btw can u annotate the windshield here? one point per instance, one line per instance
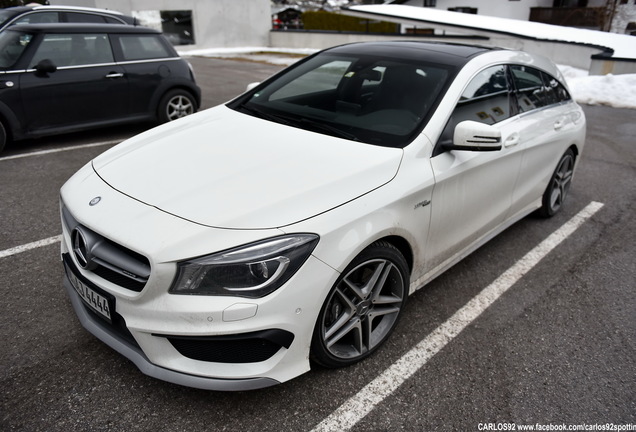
(5, 16)
(12, 44)
(372, 99)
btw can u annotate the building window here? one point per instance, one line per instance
(569, 3)
(468, 10)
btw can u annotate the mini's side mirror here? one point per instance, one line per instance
(474, 136)
(45, 67)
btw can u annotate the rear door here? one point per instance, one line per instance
(87, 87)
(547, 126)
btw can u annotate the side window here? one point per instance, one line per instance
(39, 18)
(530, 91)
(111, 20)
(12, 45)
(555, 91)
(486, 99)
(74, 49)
(142, 47)
(75, 17)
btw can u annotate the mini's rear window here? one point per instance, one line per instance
(142, 47)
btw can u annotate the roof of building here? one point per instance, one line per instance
(617, 46)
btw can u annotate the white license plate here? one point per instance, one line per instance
(93, 299)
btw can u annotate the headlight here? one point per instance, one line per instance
(253, 270)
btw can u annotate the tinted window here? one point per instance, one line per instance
(373, 99)
(531, 93)
(111, 20)
(555, 91)
(5, 16)
(38, 18)
(12, 44)
(486, 99)
(142, 47)
(74, 49)
(84, 18)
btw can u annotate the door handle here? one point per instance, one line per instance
(114, 75)
(512, 140)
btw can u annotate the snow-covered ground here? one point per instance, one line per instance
(618, 91)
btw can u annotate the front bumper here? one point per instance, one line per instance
(131, 351)
(256, 356)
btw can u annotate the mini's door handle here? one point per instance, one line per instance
(114, 75)
(512, 140)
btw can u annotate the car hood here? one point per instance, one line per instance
(225, 169)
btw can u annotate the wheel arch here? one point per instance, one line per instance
(402, 245)
(164, 90)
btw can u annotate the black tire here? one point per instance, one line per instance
(559, 186)
(176, 104)
(3, 137)
(362, 308)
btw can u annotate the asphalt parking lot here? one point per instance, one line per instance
(558, 348)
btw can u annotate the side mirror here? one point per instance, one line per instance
(250, 86)
(45, 67)
(474, 136)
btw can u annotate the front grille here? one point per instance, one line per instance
(242, 348)
(105, 258)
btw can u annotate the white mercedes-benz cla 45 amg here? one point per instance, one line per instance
(232, 248)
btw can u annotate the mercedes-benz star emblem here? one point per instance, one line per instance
(94, 201)
(80, 248)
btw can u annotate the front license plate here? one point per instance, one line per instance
(92, 299)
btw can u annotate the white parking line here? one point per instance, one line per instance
(358, 406)
(29, 246)
(58, 150)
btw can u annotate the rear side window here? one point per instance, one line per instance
(74, 49)
(555, 91)
(39, 18)
(75, 17)
(143, 47)
(530, 91)
(536, 89)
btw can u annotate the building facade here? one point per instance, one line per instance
(194, 24)
(617, 16)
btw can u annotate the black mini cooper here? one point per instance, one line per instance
(58, 78)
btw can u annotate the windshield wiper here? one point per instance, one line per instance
(302, 122)
(331, 130)
(265, 115)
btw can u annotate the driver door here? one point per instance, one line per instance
(88, 87)
(473, 189)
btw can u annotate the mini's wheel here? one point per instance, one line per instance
(176, 104)
(559, 186)
(362, 308)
